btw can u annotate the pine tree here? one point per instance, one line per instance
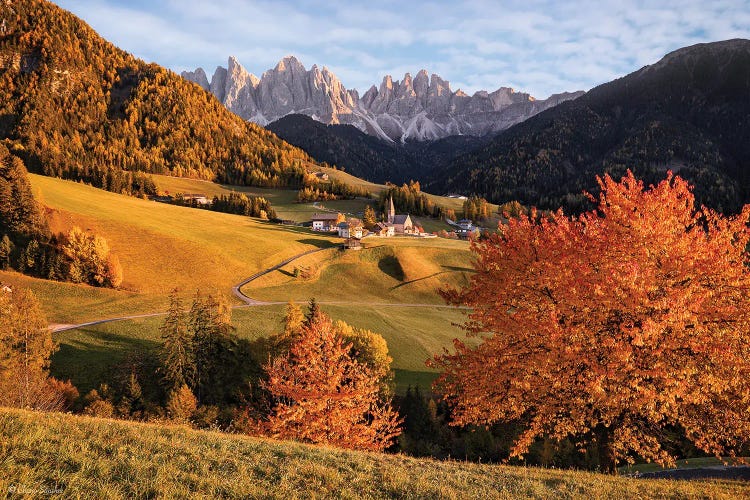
(368, 219)
(25, 349)
(313, 312)
(177, 359)
(181, 404)
(214, 347)
(6, 250)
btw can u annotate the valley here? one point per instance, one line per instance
(389, 287)
(285, 287)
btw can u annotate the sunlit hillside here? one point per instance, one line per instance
(98, 458)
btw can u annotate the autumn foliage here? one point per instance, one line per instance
(323, 395)
(615, 329)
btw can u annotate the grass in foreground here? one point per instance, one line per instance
(82, 457)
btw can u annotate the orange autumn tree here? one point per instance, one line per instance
(613, 329)
(324, 396)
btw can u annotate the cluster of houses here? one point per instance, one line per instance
(352, 228)
(187, 198)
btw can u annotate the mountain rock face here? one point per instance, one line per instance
(689, 113)
(420, 108)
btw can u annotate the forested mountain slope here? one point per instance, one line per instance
(690, 112)
(74, 105)
(368, 157)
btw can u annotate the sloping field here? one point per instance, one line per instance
(162, 247)
(83, 457)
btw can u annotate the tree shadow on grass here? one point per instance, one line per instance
(391, 266)
(91, 361)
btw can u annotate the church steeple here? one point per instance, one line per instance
(391, 212)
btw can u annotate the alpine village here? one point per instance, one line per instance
(299, 286)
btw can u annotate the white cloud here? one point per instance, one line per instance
(540, 47)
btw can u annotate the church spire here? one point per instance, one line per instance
(391, 212)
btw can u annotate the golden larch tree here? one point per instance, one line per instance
(614, 328)
(323, 395)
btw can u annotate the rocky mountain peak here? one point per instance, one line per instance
(198, 76)
(418, 108)
(289, 63)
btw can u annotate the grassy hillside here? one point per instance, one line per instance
(97, 458)
(404, 270)
(281, 199)
(286, 208)
(163, 246)
(89, 355)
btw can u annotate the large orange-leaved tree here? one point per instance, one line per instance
(323, 395)
(614, 329)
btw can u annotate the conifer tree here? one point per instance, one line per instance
(25, 349)
(368, 219)
(313, 312)
(177, 359)
(6, 250)
(181, 404)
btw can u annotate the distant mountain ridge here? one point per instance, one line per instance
(368, 157)
(420, 108)
(689, 112)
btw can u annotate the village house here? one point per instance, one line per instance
(465, 225)
(197, 198)
(384, 229)
(321, 176)
(351, 229)
(5, 288)
(326, 221)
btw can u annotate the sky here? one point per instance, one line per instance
(539, 47)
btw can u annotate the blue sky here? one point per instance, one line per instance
(540, 47)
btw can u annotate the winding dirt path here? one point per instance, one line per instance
(248, 301)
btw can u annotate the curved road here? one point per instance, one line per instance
(249, 301)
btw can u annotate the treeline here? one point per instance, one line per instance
(409, 199)
(332, 190)
(77, 107)
(232, 203)
(476, 209)
(241, 204)
(28, 246)
(315, 381)
(77, 257)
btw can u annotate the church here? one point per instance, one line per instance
(402, 224)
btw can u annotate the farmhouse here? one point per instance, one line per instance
(466, 225)
(384, 229)
(351, 229)
(326, 221)
(197, 198)
(321, 176)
